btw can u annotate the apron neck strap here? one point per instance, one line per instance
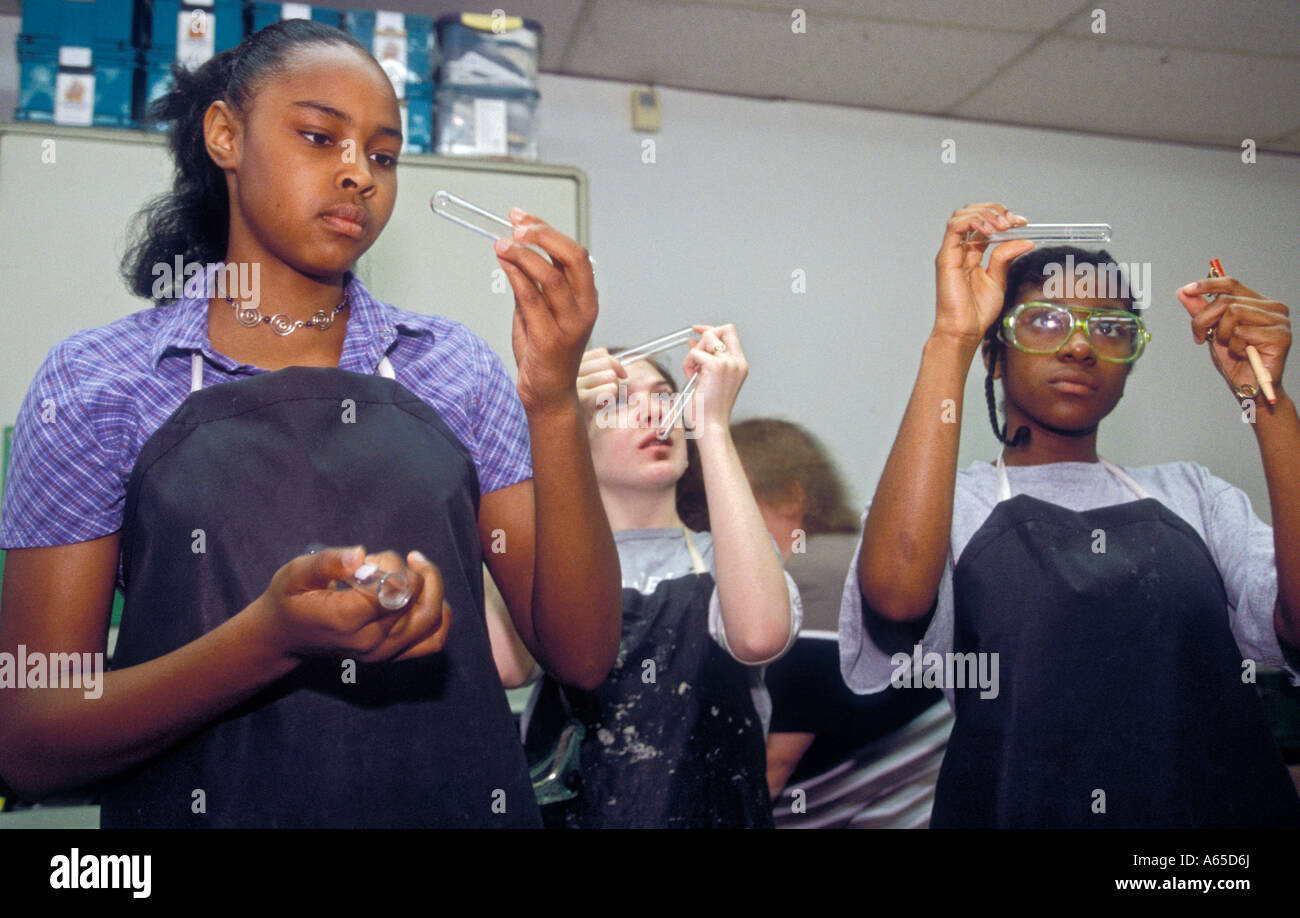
(697, 562)
(385, 369)
(1124, 478)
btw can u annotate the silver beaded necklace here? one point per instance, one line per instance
(281, 324)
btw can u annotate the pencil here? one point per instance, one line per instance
(1262, 376)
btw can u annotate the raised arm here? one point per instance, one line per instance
(752, 592)
(905, 539)
(559, 570)
(1239, 317)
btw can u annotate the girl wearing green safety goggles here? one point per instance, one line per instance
(1111, 608)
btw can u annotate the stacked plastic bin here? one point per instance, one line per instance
(261, 15)
(78, 62)
(487, 86)
(187, 32)
(404, 45)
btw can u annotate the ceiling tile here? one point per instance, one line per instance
(1261, 26)
(1135, 90)
(754, 53)
(1288, 144)
(1009, 15)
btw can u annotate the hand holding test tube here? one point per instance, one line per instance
(657, 346)
(393, 589)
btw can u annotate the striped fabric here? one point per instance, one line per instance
(102, 393)
(888, 784)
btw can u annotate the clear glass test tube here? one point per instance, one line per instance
(392, 588)
(1085, 233)
(471, 216)
(656, 346)
(688, 391)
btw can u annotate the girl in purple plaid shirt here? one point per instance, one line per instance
(191, 452)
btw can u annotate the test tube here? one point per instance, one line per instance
(471, 216)
(391, 588)
(484, 222)
(656, 345)
(1085, 233)
(676, 411)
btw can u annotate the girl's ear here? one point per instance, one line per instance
(221, 134)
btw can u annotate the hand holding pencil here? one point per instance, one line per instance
(1250, 334)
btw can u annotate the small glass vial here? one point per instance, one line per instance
(393, 589)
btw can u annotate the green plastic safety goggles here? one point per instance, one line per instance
(1039, 327)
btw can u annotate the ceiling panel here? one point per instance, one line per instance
(755, 53)
(1142, 91)
(1259, 26)
(1010, 15)
(1289, 143)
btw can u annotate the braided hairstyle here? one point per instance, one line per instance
(1030, 270)
(193, 219)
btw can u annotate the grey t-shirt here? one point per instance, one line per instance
(819, 574)
(649, 556)
(1240, 543)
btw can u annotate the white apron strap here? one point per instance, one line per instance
(1126, 479)
(697, 562)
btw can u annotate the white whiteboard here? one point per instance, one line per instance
(63, 229)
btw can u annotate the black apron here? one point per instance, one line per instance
(1120, 683)
(264, 466)
(684, 751)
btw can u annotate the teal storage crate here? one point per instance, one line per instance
(263, 14)
(86, 22)
(417, 110)
(114, 69)
(224, 17)
(404, 45)
(38, 68)
(117, 74)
